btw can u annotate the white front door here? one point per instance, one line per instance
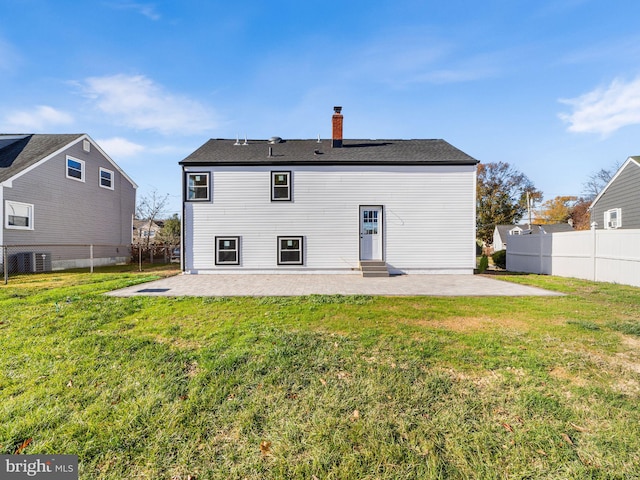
(371, 233)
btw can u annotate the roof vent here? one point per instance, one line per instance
(275, 140)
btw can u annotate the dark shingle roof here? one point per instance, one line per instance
(18, 152)
(353, 152)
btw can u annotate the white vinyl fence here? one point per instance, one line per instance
(599, 255)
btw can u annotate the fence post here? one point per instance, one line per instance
(594, 225)
(5, 264)
(91, 257)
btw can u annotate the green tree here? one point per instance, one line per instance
(170, 233)
(502, 195)
(556, 210)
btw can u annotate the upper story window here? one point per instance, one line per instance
(18, 215)
(198, 188)
(613, 218)
(75, 169)
(280, 186)
(106, 178)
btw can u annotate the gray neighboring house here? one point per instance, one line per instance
(502, 232)
(58, 190)
(618, 204)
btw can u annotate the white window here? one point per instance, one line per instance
(198, 187)
(75, 169)
(613, 218)
(18, 215)
(290, 251)
(227, 250)
(280, 186)
(106, 178)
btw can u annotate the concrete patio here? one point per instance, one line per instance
(262, 285)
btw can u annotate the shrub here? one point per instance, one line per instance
(484, 263)
(500, 258)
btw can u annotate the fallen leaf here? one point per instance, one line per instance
(578, 428)
(507, 427)
(323, 381)
(70, 383)
(566, 438)
(291, 396)
(355, 415)
(184, 397)
(542, 452)
(22, 446)
(265, 448)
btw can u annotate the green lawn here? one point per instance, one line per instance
(326, 387)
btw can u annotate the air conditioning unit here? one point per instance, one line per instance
(41, 261)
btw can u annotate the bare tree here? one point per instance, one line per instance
(151, 208)
(598, 180)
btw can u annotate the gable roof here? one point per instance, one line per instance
(503, 230)
(630, 161)
(221, 152)
(19, 152)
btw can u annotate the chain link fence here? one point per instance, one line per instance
(25, 259)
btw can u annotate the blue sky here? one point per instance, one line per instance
(552, 87)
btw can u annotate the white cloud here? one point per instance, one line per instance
(605, 110)
(8, 56)
(120, 147)
(146, 9)
(41, 119)
(138, 102)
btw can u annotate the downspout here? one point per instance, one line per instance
(182, 222)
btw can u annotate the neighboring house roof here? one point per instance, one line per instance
(20, 152)
(353, 152)
(630, 161)
(503, 230)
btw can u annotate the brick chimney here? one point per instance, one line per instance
(336, 121)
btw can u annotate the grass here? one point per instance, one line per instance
(327, 387)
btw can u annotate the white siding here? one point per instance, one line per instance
(429, 217)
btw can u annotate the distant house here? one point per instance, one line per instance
(618, 204)
(328, 206)
(502, 232)
(146, 231)
(62, 190)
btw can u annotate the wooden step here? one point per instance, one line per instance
(374, 268)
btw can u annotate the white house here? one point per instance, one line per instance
(328, 206)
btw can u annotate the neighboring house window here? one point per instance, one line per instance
(281, 186)
(290, 251)
(227, 250)
(75, 169)
(106, 178)
(613, 218)
(18, 215)
(197, 187)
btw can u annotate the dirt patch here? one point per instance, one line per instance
(472, 324)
